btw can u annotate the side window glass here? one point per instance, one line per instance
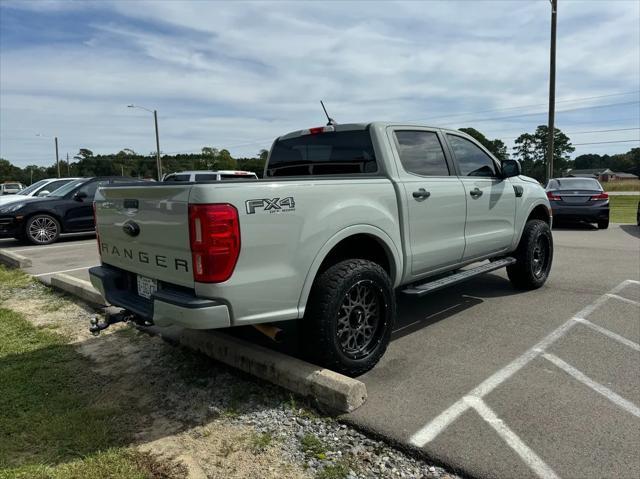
(91, 188)
(421, 153)
(472, 160)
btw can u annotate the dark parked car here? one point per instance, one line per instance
(578, 199)
(69, 209)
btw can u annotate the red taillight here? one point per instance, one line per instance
(600, 197)
(214, 232)
(552, 197)
(95, 222)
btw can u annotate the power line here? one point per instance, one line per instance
(577, 132)
(605, 142)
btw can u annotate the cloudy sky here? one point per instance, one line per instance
(236, 74)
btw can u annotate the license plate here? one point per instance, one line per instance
(147, 286)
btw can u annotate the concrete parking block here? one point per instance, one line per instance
(14, 260)
(77, 287)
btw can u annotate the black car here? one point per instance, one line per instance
(68, 209)
(578, 199)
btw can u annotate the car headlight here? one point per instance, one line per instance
(11, 208)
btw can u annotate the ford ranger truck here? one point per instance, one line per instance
(345, 217)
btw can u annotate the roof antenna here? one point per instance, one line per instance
(331, 121)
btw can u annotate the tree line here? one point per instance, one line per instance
(530, 149)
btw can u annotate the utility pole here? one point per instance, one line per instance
(68, 167)
(57, 157)
(552, 88)
(159, 163)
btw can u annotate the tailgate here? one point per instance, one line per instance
(145, 230)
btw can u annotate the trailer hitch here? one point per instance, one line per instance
(123, 316)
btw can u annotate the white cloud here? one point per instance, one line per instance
(231, 73)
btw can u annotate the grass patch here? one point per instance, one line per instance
(11, 279)
(621, 185)
(50, 424)
(259, 442)
(313, 446)
(623, 209)
(339, 470)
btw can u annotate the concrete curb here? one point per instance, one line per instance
(335, 391)
(14, 260)
(77, 287)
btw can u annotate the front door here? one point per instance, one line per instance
(491, 200)
(79, 210)
(434, 200)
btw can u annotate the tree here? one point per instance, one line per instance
(497, 146)
(531, 150)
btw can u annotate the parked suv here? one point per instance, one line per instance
(68, 209)
(346, 216)
(10, 188)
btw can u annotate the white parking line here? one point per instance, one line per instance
(626, 300)
(530, 458)
(41, 248)
(63, 271)
(431, 430)
(611, 334)
(597, 387)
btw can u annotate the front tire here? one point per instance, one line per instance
(349, 316)
(533, 256)
(42, 229)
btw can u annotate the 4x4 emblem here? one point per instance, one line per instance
(272, 205)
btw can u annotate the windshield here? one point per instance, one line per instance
(63, 190)
(327, 153)
(30, 189)
(574, 184)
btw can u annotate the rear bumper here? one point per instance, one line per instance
(586, 213)
(167, 307)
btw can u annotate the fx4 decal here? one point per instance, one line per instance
(274, 205)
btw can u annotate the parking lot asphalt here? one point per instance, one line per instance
(494, 382)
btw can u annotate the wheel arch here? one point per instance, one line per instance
(28, 216)
(537, 211)
(372, 244)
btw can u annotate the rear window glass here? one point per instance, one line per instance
(207, 177)
(177, 178)
(237, 177)
(421, 153)
(333, 153)
(574, 184)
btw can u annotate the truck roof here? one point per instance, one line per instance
(364, 126)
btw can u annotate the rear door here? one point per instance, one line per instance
(434, 199)
(491, 200)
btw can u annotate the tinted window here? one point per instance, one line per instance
(332, 153)
(54, 185)
(177, 178)
(63, 190)
(574, 184)
(472, 160)
(207, 177)
(237, 177)
(421, 153)
(90, 188)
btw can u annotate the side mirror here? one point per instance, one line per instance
(80, 195)
(43, 193)
(511, 168)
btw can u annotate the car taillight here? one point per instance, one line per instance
(553, 197)
(95, 223)
(214, 232)
(600, 197)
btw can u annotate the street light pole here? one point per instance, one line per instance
(57, 157)
(155, 120)
(552, 89)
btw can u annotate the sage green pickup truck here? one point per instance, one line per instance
(345, 217)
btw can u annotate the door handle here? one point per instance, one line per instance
(476, 192)
(421, 194)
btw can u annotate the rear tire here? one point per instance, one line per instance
(533, 256)
(42, 229)
(603, 224)
(349, 317)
